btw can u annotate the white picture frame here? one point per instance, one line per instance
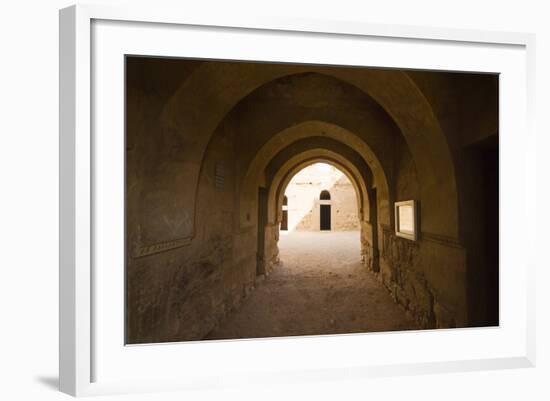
(84, 328)
(410, 209)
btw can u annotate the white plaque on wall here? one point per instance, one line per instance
(406, 220)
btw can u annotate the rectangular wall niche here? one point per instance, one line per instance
(219, 176)
(406, 219)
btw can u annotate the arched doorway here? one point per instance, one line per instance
(324, 205)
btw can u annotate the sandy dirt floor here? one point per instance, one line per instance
(320, 287)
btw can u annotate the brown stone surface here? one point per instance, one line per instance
(211, 146)
(321, 287)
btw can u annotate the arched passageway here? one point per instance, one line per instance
(313, 208)
(212, 147)
(320, 282)
(320, 287)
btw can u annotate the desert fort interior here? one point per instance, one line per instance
(261, 199)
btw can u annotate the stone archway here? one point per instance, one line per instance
(312, 129)
(392, 89)
(360, 182)
(211, 142)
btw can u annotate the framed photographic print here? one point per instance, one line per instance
(227, 191)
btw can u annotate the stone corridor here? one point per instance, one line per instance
(212, 146)
(320, 287)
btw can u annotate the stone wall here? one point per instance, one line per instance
(193, 131)
(369, 251)
(303, 193)
(426, 277)
(185, 292)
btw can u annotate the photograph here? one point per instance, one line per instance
(271, 199)
(285, 200)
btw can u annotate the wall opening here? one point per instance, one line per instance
(284, 216)
(324, 222)
(325, 195)
(325, 218)
(482, 237)
(320, 197)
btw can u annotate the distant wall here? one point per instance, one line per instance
(303, 193)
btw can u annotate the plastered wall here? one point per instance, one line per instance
(303, 194)
(205, 138)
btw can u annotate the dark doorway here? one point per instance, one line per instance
(325, 210)
(262, 221)
(483, 234)
(284, 219)
(325, 217)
